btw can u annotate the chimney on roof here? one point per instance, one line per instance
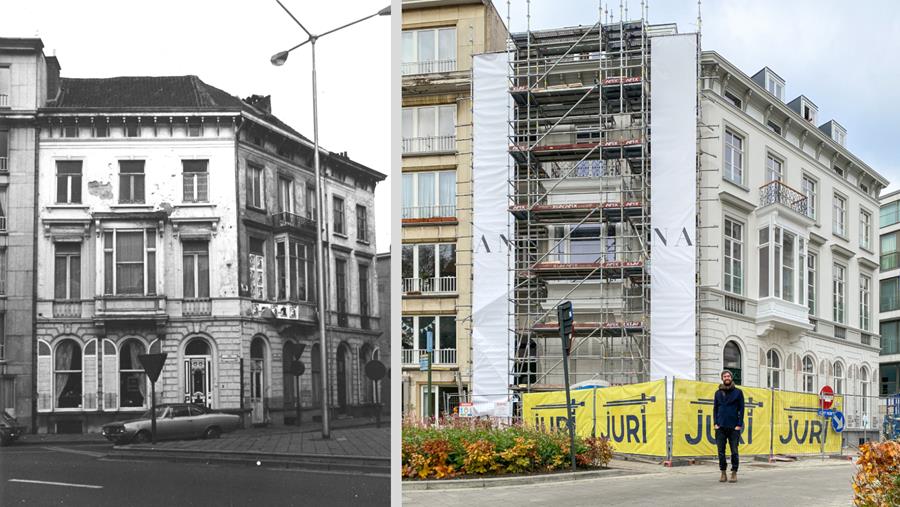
(53, 69)
(260, 102)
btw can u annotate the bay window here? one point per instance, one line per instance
(257, 258)
(292, 264)
(429, 195)
(782, 259)
(129, 261)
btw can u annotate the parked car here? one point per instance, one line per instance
(173, 421)
(10, 429)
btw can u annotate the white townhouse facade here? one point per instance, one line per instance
(174, 217)
(787, 245)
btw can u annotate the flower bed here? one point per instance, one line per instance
(877, 482)
(461, 447)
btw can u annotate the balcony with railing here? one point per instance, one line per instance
(433, 285)
(286, 220)
(67, 309)
(136, 307)
(777, 193)
(441, 357)
(4, 100)
(429, 144)
(436, 212)
(196, 307)
(4, 164)
(428, 67)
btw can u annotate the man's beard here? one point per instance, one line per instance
(727, 382)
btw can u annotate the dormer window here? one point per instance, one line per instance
(774, 87)
(809, 114)
(772, 82)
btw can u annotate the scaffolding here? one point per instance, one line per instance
(579, 188)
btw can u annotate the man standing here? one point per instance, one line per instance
(728, 414)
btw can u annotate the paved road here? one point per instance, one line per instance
(795, 484)
(27, 471)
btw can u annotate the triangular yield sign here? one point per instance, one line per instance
(152, 364)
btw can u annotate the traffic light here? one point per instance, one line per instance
(565, 315)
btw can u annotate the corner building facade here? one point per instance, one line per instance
(176, 218)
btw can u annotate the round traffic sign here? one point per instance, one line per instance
(837, 422)
(826, 397)
(375, 370)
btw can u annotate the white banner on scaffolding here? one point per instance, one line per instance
(673, 161)
(490, 244)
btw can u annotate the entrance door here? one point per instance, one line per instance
(197, 380)
(256, 391)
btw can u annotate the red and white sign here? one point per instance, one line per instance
(826, 397)
(466, 409)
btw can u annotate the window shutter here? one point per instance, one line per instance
(110, 384)
(90, 388)
(44, 377)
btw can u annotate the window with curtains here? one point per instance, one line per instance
(338, 215)
(131, 181)
(293, 267)
(195, 268)
(255, 187)
(68, 181)
(67, 271)
(889, 294)
(429, 129)
(783, 254)
(129, 261)
(429, 267)
(428, 51)
(285, 195)
(257, 258)
(67, 374)
(429, 195)
(734, 256)
(132, 379)
(196, 180)
(889, 254)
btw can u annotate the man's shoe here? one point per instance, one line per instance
(724, 477)
(733, 476)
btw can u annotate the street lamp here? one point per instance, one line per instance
(278, 59)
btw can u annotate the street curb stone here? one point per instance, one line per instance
(492, 482)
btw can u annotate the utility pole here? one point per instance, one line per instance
(566, 315)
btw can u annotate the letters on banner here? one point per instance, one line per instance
(799, 429)
(547, 411)
(693, 428)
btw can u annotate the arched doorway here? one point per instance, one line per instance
(731, 360)
(343, 376)
(258, 381)
(198, 372)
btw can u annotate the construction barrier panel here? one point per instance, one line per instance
(633, 417)
(547, 411)
(799, 429)
(693, 427)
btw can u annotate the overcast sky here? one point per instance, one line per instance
(842, 55)
(228, 44)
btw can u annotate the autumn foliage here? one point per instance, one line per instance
(461, 447)
(877, 482)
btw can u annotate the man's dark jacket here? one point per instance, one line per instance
(728, 407)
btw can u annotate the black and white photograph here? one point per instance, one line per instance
(195, 230)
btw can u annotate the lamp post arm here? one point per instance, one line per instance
(308, 34)
(360, 20)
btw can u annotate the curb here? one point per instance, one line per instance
(366, 464)
(492, 482)
(60, 442)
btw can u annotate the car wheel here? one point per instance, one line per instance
(143, 437)
(212, 432)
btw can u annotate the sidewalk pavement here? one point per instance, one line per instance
(355, 444)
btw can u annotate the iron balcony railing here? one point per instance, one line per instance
(433, 285)
(440, 357)
(428, 67)
(429, 144)
(425, 212)
(288, 219)
(776, 192)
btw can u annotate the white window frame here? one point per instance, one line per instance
(839, 293)
(195, 260)
(191, 181)
(865, 228)
(865, 302)
(808, 375)
(808, 186)
(839, 215)
(256, 183)
(439, 207)
(427, 64)
(296, 258)
(732, 245)
(285, 194)
(838, 378)
(70, 178)
(440, 142)
(773, 372)
(733, 172)
(70, 296)
(149, 288)
(812, 282)
(257, 271)
(416, 284)
(774, 167)
(774, 86)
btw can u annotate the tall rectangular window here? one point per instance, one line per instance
(428, 51)
(131, 181)
(764, 262)
(811, 282)
(808, 186)
(285, 195)
(4, 151)
(362, 223)
(67, 272)
(2, 270)
(865, 302)
(865, 229)
(734, 157)
(774, 170)
(195, 268)
(890, 338)
(196, 180)
(428, 129)
(839, 215)
(292, 266)
(340, 289)
(839, 280)
(889, 254)
(3, 208)
(68, 181)
(4, 86)
(890, 212)
(129, 260)
(889, 294)
(363, 289)
(429, 195)
(734, 256)
(311, 202)
(338, 215)
(257, 260)
(255, 187)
